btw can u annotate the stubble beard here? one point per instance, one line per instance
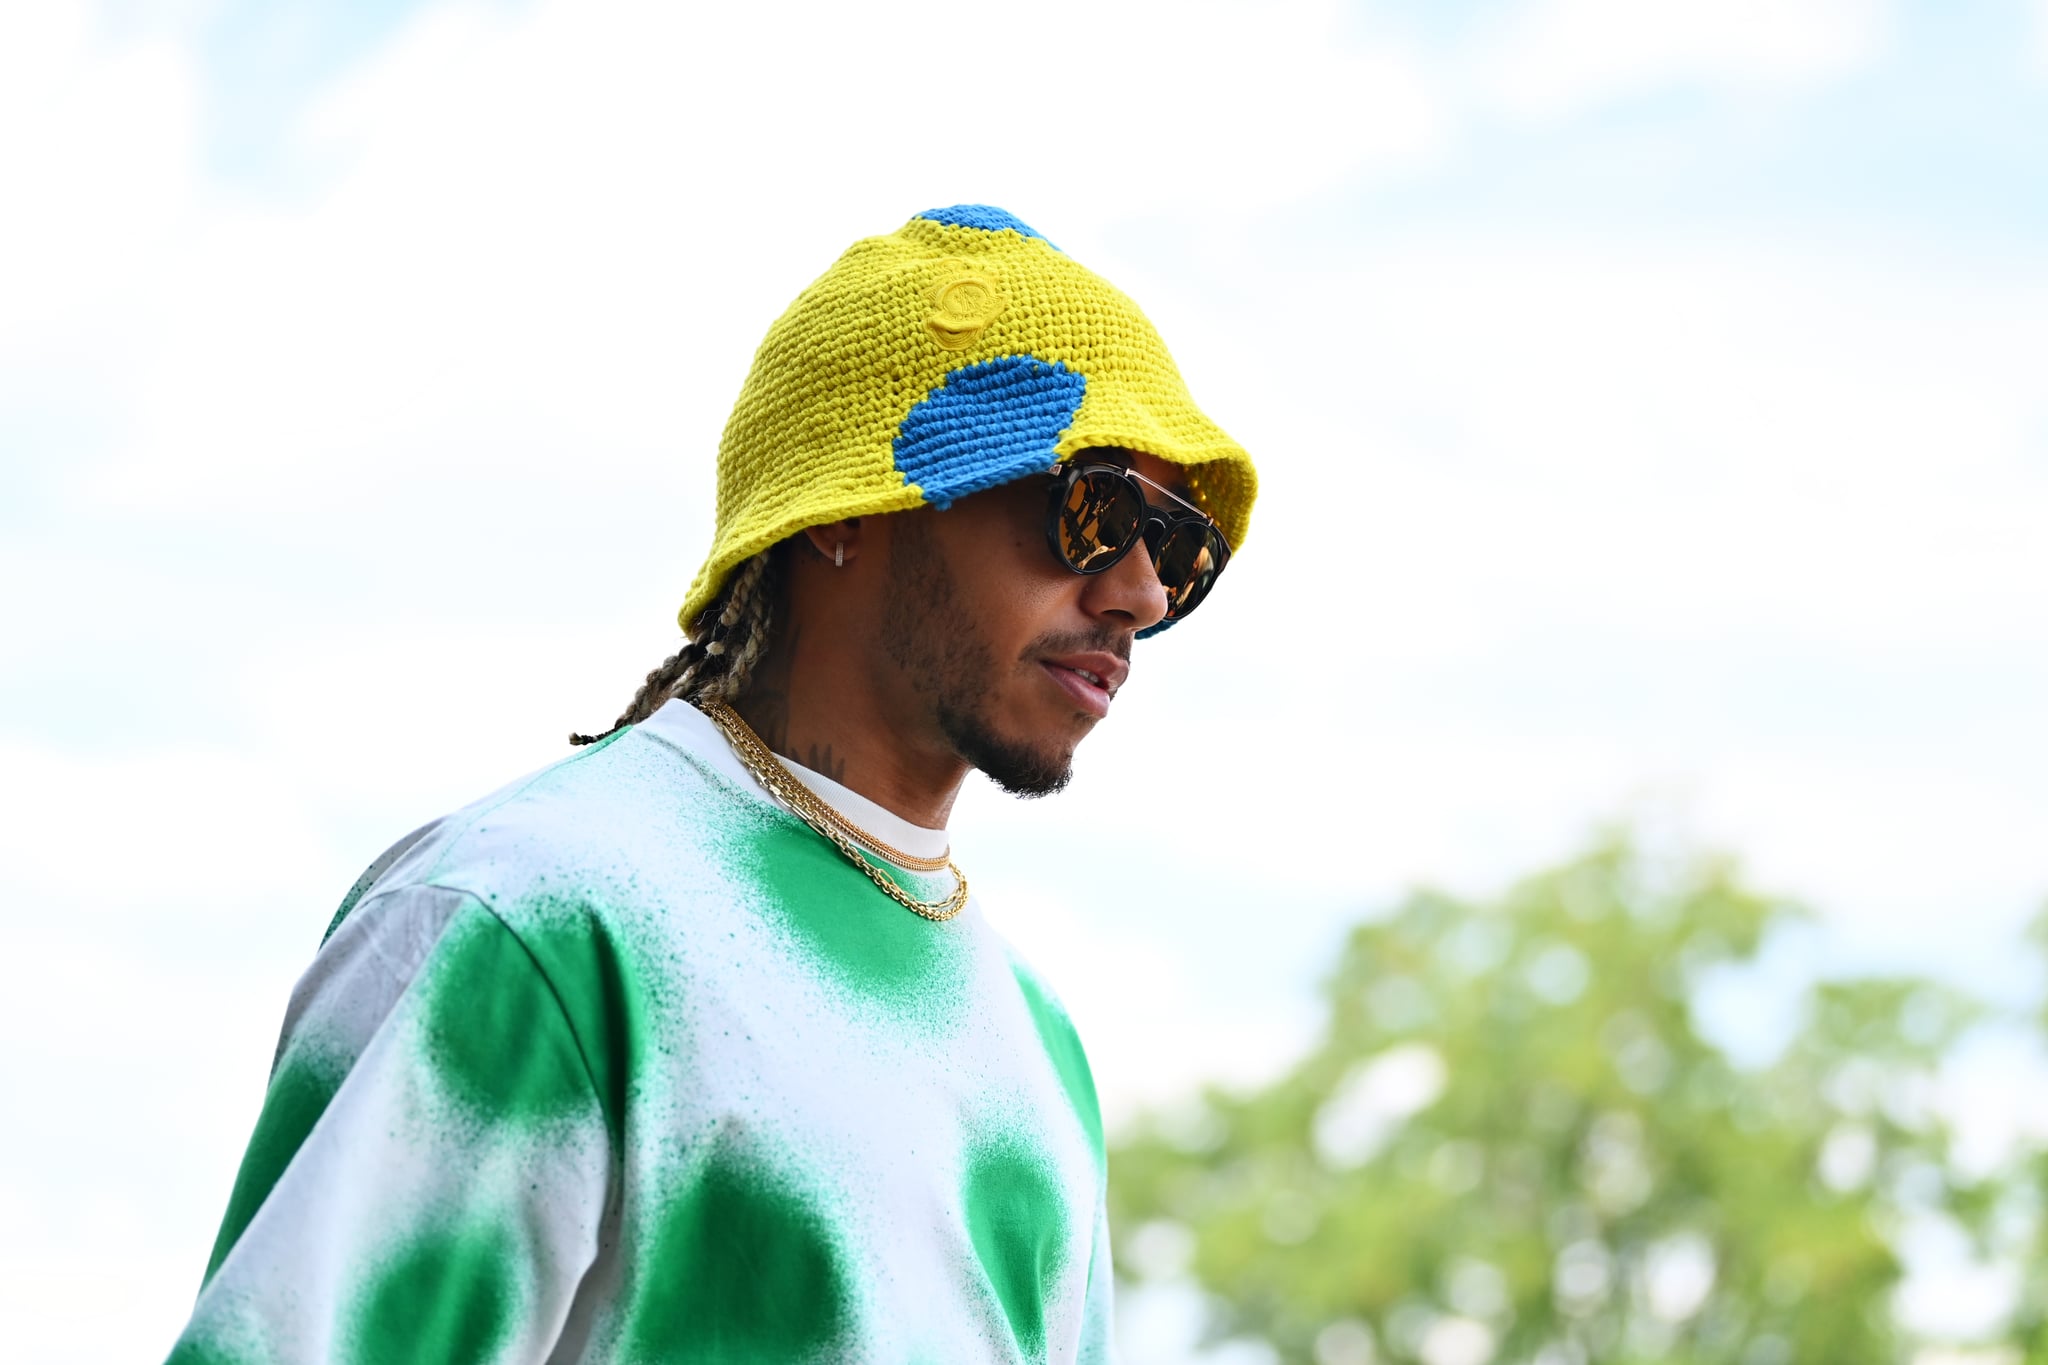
(928, 635)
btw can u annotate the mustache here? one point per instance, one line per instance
(1106, 639)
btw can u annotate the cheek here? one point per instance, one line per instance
(1014, 587)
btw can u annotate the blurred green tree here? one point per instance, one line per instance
(1514, 1143)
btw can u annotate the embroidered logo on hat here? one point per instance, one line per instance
(963, 302)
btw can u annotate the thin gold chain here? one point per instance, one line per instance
(758, 759)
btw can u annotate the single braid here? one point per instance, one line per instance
(717, 660)
(750, 611)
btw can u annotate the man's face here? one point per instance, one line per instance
(1015, 656)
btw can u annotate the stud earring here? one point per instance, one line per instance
(839, 555)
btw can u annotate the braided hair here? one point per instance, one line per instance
(722, 647)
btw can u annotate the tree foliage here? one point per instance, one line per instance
(1515, 1143)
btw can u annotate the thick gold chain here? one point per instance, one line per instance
(770, 771)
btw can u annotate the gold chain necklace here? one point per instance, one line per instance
(748, 740)
(742, 737)
(770, 771)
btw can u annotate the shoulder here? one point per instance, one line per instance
(598, 867)
(627, 816)
(562, 891)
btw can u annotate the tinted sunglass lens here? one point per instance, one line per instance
(1187, 562)
(1098, 520)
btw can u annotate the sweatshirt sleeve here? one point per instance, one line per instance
(430, 1172)
(1098, 1316)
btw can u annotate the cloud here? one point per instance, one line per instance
(1153, 103)
(145, 829)
(97, 171)
(95, 160)
(1558, 57)
(609, 193)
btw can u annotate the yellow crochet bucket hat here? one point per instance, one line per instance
(959, 352)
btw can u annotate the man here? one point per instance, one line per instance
(694, 1046)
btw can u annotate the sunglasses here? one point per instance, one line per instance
(1097, 512)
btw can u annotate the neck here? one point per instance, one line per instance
(836, 723)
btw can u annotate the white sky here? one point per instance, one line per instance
(1616, 458)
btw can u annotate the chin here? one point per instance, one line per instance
(1021, 767)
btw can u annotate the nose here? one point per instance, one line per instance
(1128, 593)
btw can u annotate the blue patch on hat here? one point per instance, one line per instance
(987, 217)
(987, 424)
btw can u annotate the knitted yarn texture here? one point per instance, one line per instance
(957, 353)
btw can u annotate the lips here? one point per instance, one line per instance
(1091, 679)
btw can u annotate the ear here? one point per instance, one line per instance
(838, 542)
